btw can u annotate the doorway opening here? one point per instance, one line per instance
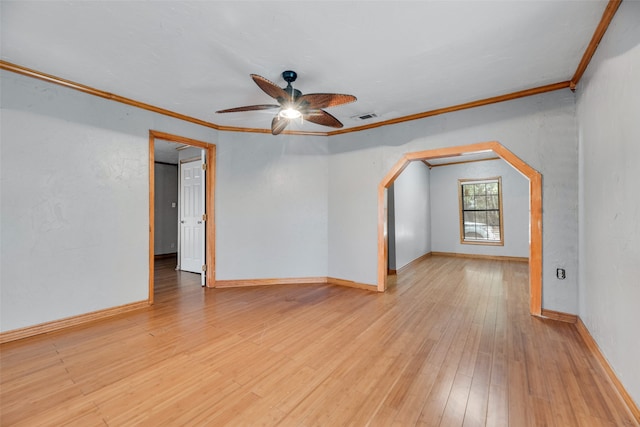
(206, 220)
(535, 210)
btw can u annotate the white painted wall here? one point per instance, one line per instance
(74, 202)
(354, 174)
(541, 130)
(165, 209)
(74, 227)
(271, 206)
(608, 113)
(285, 206)
(445, 208)
(412, 214)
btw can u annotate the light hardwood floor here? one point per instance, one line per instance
(451, 343)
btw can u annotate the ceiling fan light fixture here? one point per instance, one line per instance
(292, 104)
(289, 113)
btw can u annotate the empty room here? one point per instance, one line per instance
(320, 213)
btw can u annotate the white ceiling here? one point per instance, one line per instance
(397, 57)
(166, 152)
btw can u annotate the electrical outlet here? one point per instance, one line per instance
(560, 273)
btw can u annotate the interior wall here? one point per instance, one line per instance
(82, 215)
(609, 133)
(354, 175)
(541, 130)
(165, 209)
(271, 206)
(412, 214)
(446, 208)
(295, 207)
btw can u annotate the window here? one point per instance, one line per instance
(481, 211)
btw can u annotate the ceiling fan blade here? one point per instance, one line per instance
(249, 108)
(278, 124)
(270, 88)
(322, 118)
(315, 101)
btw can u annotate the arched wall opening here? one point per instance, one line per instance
(535, 211)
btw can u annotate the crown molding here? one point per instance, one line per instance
(607, 17)
(601, 29)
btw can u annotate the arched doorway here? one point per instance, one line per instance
(535, 203)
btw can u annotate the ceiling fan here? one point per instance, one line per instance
(292, 104)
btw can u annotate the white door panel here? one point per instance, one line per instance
(191, 221)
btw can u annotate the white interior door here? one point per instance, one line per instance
(192, 226)
(203, 234)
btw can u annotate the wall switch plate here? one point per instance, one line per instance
(560, 273)
(173, 204)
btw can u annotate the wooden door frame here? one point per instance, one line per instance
(209, 203)
(535, 214)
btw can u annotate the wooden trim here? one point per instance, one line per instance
(292, 281)
(535, 243)
(601, 29)
(18, 69)
(535, 201)
(391, 272)
(535, 224)
(152, 213)
(239, 283)
(211, 216)
(481, 256)
(592, 345)
(559, 316)
(268, 131)
(351, 284)
(67, 322)
(383, 237)
(395, 171)
(415, 261)
(462, 162)
(459, 107)
(210, 259)
(179, 139)
(607, 16)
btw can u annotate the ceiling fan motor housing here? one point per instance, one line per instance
(289, 76)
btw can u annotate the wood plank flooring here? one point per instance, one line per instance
(450, 344)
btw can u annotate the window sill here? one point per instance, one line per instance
(481, 242)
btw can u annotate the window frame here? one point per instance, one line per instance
(463, 239)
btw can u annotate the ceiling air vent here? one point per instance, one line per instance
(366, 116)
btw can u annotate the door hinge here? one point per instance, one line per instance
(204, 217)
(204, 166)
(204, 267)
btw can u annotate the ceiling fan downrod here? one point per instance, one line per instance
(290, 77)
